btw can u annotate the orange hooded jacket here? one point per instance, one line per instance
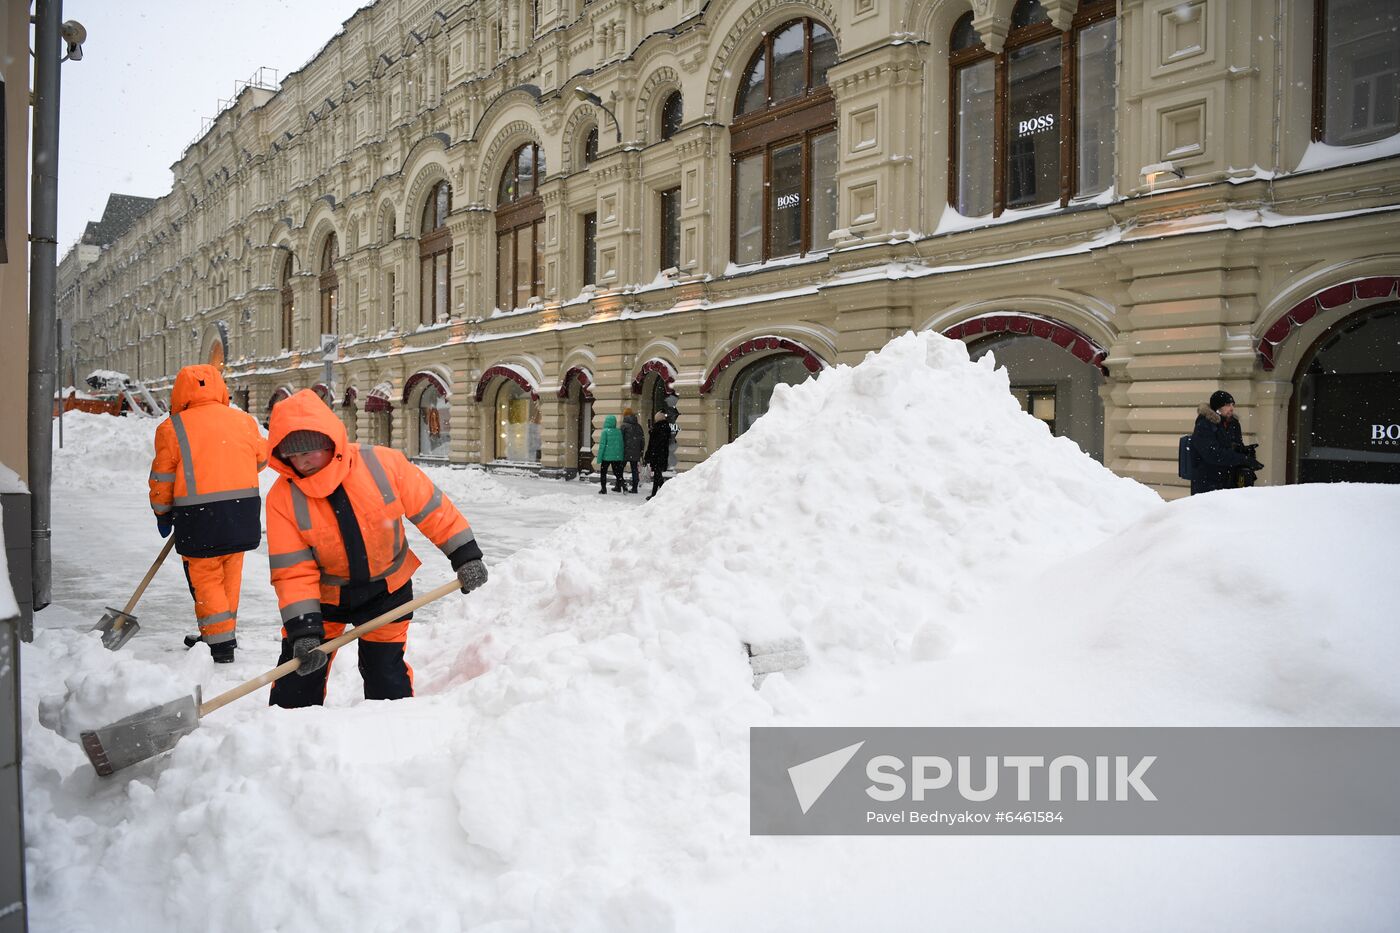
(308, 550)
(206, 467)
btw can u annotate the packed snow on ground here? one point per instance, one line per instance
(576, 757)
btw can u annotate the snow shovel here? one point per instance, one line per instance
(150, 732)
(118, 625)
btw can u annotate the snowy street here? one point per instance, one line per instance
(111, 538)
(576, 755)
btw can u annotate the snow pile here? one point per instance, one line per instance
(576, 758)
(102, 450)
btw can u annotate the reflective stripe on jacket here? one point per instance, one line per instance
(206, 467)
(307, 551)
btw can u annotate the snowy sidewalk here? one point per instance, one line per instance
(105, 538)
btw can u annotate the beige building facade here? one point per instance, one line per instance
(515, 218)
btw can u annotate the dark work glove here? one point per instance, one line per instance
(1254, 464)
(471, 575)
(223, 651)
(164, 523)
(304, 650)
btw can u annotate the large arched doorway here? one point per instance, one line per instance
(578, 420)
(380, 408)
(517, 424)
(427, 397)
(1345, 417)
(753, 388)
(1053, 385)
(1055, 371)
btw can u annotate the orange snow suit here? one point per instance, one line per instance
(205, 475)
(337, 549)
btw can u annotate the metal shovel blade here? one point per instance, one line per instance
(142, 735)
(116, 627)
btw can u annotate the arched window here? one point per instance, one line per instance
(330, 286)
(753, 388)
(435, 255)
(671, 115)
(519, 214)
(434, 432)
(288, 301)
(1356, 71)
(1343, 403)
(590, 145)
(1034, 124)
(784, 146)
(517, 424)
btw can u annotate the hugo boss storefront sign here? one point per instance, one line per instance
(1352, 429)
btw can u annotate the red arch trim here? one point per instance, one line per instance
(503, 372)
(1061, 335)
(760, 345)
(378, 401)
(1376, 286)
(351, 393)
(660, 367)
(278, 396)
(322, 390)
(584, 383)
(417, 379)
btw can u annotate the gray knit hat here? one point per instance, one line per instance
(301, 442)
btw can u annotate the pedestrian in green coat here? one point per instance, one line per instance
(610, 451)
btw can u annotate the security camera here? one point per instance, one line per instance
(74, 35)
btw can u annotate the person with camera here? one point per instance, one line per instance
(1220, 458)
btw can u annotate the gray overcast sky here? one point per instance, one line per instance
(151, 71)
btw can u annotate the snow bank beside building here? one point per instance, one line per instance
(577, 756)
(102, 450)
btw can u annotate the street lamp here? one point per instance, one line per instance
(73, 35)
(584, 94)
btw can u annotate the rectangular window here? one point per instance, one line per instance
(390, 301)
(976, 129)
(748, 209)
(1095, 107)
(785, 207)
(1033, 124)
(824, 198)
(442, 279)
(288, 314)
(1361, 70)
(590, 249)
(328, 310)
(537, 232)
(425, 299)
(505, 264)
(524, 259)
(671, 228)
(1037, 401)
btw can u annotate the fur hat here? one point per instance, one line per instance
(301, 442)
(627, 411)
(1220, 399)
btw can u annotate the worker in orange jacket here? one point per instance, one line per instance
(204, 485)
(337, 548)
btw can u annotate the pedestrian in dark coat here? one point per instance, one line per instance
(610, 453)
(659, 451)
(633, 440)
(1217, 446)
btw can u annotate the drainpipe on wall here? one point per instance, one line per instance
(43, 258)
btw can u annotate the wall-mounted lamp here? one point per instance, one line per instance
(584, 94)
(1151, 173)
(74, 35)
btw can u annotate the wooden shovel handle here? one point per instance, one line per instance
(281, 670)
(150, 575)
